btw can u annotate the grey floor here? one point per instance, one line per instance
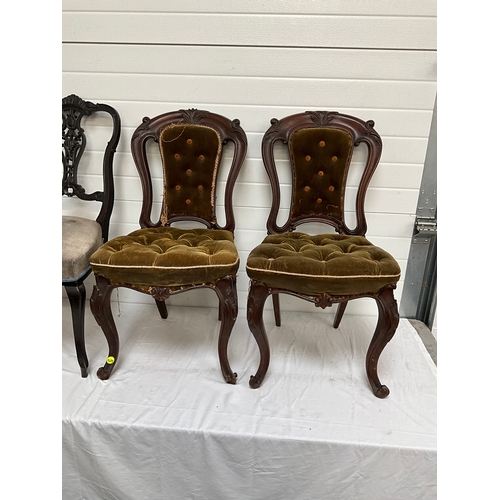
(428, 339)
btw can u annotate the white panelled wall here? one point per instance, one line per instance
(255, 61)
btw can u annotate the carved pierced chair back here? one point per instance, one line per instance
(320, 147)
(74, 141)
(81, 234)
(191, 143)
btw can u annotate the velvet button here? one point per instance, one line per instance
(201, 157)
(321, 144)
(177, 156)
(200, 188)
(331, 188)
(189, 171)
(334, 158)
(190, 141)
(188, 202)
(319, 200)
(321, 173)
(307, 188)
(177, 187)
(308, 158)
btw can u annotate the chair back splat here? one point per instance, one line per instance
(326, 268)
(161, 260)
(320, 146)
(81, 236)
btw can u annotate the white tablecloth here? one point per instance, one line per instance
(167, 426)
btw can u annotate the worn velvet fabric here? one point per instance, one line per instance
(320, 161)
(80, 238)
(325, 263)
(190, 156)
(167, 256)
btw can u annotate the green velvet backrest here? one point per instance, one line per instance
(320, 146)
(191, 143)
(320, 160)
(190, 157)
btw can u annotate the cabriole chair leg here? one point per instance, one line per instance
(257, 296)
(100, 305)
(388, 321)
(228, 312)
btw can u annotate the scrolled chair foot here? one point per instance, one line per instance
(255, 381)
(104, 372)
(381, 392)
(231, 379)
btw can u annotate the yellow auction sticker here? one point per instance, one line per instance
(110, 360)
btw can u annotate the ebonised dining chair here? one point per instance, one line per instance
(81, 236)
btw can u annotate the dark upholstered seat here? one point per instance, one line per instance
(324, 263)
(326, 268)
(168, 256)
(82, 236)
(162, 260)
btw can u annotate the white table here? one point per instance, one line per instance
(167, 426)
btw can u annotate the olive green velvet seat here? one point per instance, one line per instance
(162, 260)
(82, 235)
(168, 256)
(325, 263)
(324, 268)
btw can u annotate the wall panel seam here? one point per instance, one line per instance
(284, 47)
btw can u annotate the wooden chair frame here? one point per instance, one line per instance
(361, 132)
(74, 141)
(225, 288)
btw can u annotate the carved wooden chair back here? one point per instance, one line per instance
(161, 259)
(81, 235)
(191, 143)
(74, 141)
(326, 268)
(320, 146)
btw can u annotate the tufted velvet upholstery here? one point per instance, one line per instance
(324, 263)
(329, 268)
(190, 156)
(167, 256)
(320, 159)
(161, 260)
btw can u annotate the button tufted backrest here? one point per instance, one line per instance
(320, 146)
(191, 143)
(320, 160)
(190, 156)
